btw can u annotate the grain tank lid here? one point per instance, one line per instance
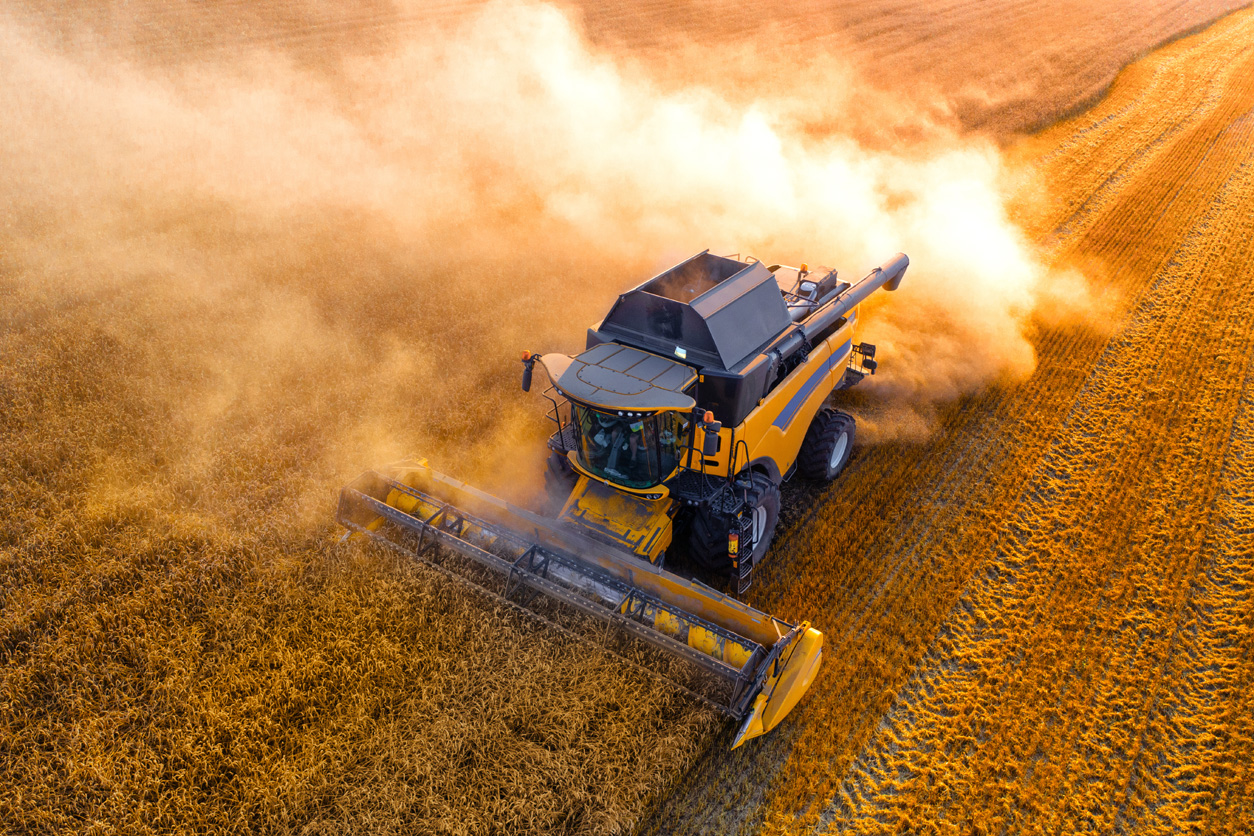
(619, 377)
(710, 310)
(744, 313)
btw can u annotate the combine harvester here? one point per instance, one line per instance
(698, 395)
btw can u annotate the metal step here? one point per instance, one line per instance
(743, 574)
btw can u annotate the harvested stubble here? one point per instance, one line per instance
(1004, 66)
(1047, 627)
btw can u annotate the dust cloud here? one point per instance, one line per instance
(339, 268)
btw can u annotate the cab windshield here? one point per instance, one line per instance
(633, 449)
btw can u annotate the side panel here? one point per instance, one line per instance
(777, 427)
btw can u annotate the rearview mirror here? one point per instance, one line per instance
(529, 364)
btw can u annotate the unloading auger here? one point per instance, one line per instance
(699, 393)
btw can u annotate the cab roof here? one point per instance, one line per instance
(620, 377)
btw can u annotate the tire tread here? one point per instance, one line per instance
(815, 456)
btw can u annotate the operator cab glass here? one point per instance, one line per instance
(630, 449)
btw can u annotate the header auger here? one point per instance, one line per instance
(698, 394)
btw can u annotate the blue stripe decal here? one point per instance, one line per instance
(807, 389)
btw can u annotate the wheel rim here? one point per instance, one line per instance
(838, 450)
(759, 527)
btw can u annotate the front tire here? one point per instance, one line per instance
(827, 445)
(707, 540)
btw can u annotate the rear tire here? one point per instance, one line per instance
(828, 442)
(707, 539)
(559, 480)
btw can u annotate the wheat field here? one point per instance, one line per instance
(224, 292)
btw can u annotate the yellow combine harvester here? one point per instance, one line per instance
(701, 391)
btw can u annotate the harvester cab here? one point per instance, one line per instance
(697, 395)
